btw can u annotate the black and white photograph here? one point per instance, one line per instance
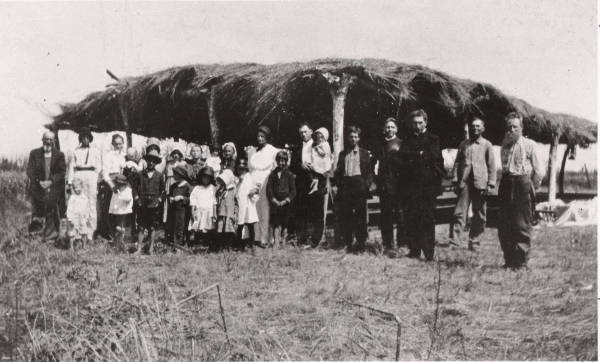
(299, 180)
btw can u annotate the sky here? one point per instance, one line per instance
(544, 52)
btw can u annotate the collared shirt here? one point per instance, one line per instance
(521, 159)
(307, 151)
(391, 138)
(475, 161)
(85, 158)
(113, 162)
(353, 163)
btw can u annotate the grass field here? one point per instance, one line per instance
(285, 303)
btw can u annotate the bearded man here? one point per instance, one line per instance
(522, 173)
(46, 171)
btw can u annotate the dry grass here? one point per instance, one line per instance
(284, 303)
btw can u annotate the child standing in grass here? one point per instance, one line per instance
(281, 190)
(150, 193)
(227, 208)
(203, 205)
(247, 196)
(178, 203)
(120, 209)
(78, 215)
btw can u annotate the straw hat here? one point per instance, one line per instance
(154, 156)
(181, 171)
(228, 179)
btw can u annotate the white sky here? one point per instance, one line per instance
(542, 51)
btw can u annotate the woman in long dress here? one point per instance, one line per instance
(261, 161)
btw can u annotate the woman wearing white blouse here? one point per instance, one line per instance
(261, 161)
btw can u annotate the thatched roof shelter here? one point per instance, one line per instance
(182, 101)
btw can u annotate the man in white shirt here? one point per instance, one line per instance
(522, 174)
(85, 164)
(113, 163)
(309, 211)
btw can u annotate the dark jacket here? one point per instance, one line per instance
(356, 188)
(303, 177)
(36, 172)
(151, 191)
(281, 188)
(422, 164)
(389, 167)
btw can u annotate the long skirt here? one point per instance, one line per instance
(90, 190)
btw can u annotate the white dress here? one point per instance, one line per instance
(78, 214)
(87, 157)
(247, 205)
(121, 202)
(261, 163)
(321, 157)
(203, 198)
(215, 163)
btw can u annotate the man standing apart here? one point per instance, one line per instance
(354, 178)
(86, 163)
(113, 164)
(309, 208)
(474, 178)
(522, 173)
(421, 162)
(46, 170)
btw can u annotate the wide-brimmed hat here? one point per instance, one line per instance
(181, 171)
(154, 156)
(206, 171)
(228, 179)
(153, 141)
(85, 132)
(178, 148)
(324, 132)
(264, 129)
(120, 180)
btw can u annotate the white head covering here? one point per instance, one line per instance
(228, 179)
(324, 132)
(177, 147)
(230, 144)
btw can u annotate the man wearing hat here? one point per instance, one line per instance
(46, 170)
(113, 163)
(85, 164)
(150, 193)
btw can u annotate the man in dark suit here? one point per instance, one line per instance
(46, 171)
(388, 188)
(354, 178)
(308, 207)
(421, 167)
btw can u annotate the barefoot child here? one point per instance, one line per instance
(247, 196)
(227, 208)
(150, 193)
(281, 190)
(179, 212)
(78, 215)
(120, 209)
(321, 159)
(203, 204)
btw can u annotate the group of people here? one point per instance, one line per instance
(271, 196)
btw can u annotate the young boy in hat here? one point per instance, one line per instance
(150, 193)
(247, 196)
(120, 209)
(281, 190)
(178, 207)
(78, 214)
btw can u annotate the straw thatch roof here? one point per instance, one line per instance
(174, 102)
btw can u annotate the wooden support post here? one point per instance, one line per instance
(124, 117)
(212, 116)
(561, 175)
(339, 89)
(552, 161)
